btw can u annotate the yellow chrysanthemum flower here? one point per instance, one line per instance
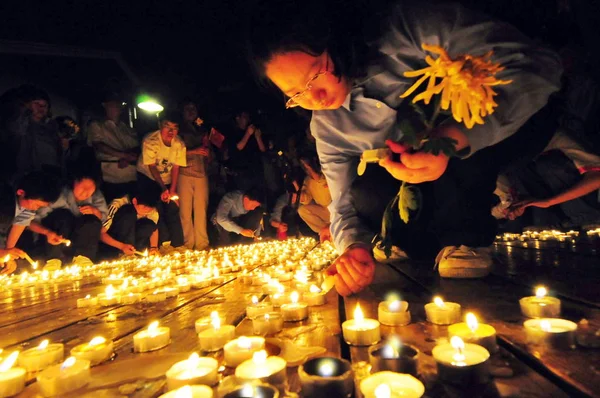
(466, 84)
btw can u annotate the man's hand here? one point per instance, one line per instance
(325, 234)
(248, 233)
(127, 249)
(54, 239)
(251, 129)
(517, 209)
(257, 133)
(11, 253)
(165, 196)
(90, 210)
(353, 270)
(8, 268)
(416, 167)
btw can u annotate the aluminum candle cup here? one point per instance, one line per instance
(391, 385)
(268, 324)
(462, 364)
(294, 311)
(271, 370)
(361, 331)
(540, 305)
(61, 379)
(442, 313)
(194, 370)
(156, 296)
(214, 338)
(256, 308)
(190, 392)
(42, 356)
(393, 313)
(96, 351)
(386, 356)
(204, 323)
(474, 332)
(326, 377)
(250, 390)
(12, 379)
(242, 349)
(151, 339)
(551, 332)
(315, 296)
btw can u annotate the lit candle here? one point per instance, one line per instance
(109, 297)
(294, 311)
(460, 363)
(391, 385)
(360, 330)
(187, 391)
(61, 379)
(213, 339)
(474, 332)
(315, 296)
(540, 305)
(270, 370)
(442, 313)
(194, 370)
(183, 284)
(131, 298)
(171, 291)
(217, 278)
(394, 356)
(326, 377)
(156, 297)
(153, 338)
(242, 349)
(256, 308)
(393, 313)
(207, 321)
(552, 332)
(12, 379)
(42, 356)
(268, 324)
(87, 301)
(96, 351)
(280, 298)
(252, 390)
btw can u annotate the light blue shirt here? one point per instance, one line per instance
(368, 116)
(281, 203)
(67, 200)
(231, 206)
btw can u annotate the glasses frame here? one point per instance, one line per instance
(292, 101)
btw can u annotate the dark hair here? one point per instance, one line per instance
(169, 116)
(149, 196)
(254, 194)
(28, 93)
(40, 185)
(312, 26)
(84, 169)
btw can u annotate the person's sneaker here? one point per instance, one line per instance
(53, 264)
(82, 261)
(396, 255)
(464, 262)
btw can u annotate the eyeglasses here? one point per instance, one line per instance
(293, 101)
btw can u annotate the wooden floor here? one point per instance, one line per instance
(570, 271)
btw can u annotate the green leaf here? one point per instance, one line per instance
(421, 112)
(407, 201)
(409, 133)
(436, 145)
(386, 227)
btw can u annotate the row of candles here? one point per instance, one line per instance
(545, 235)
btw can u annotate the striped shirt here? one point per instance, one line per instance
(23, 216)
(116, 204)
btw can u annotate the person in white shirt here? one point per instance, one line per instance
(117, 148)
(163, 153)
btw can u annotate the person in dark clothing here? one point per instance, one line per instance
(238, 214)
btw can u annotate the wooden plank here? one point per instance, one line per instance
(497, 302)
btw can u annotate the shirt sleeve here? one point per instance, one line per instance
(99, 203)
(584, 160)
(61, 203)
(115, 205)
(149, 151)
(535, 71)
(340, 171)
(223, 215)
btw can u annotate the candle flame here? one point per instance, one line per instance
(267, 317)
(472, 322)
(35, 265)
(327, 368)
(110, 291)
(146, 253)
(457, 343)
(68, 363)
(247, 391)
(184, 392)
(67, 242)
(394, 306)
(6, 258)
(88, 296)
(439, 302)
(259, 357)
(216, 323)
(153, 328)
(358, 314)
(214, 314)
(254, 300)
(383, 391)
(314, 289)
(294, 297)
(244, 342)
(193, 360)
(216, 273)
(97, 341)
(545, 325)
(540, 292)
(43, 345)
(9, 362)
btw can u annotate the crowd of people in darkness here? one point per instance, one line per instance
(81, 194)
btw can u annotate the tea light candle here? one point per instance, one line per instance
(270, 370)
(242, 349)
(394, 356)
(251, 390)
(217, 278)
(190, 392)
(393, 313)
(442, 313)
(268, 324)
(460, 363)
(12, 379)
(58, 380)
(171, 291)
(183, 284)
(153, 338)
(96, 351)
(391, 385)
(326, 377)
(256, 308)
(156, 297)
(131, 298)
(279, 299)
(42, 356)
(540, 305)
(213, 339)
(361, 331)
(109, 297)
(552, 332)
(315, 296)
(473, 332)
(194, 370)
(206, 322)
(294, 311)
(87, 301)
